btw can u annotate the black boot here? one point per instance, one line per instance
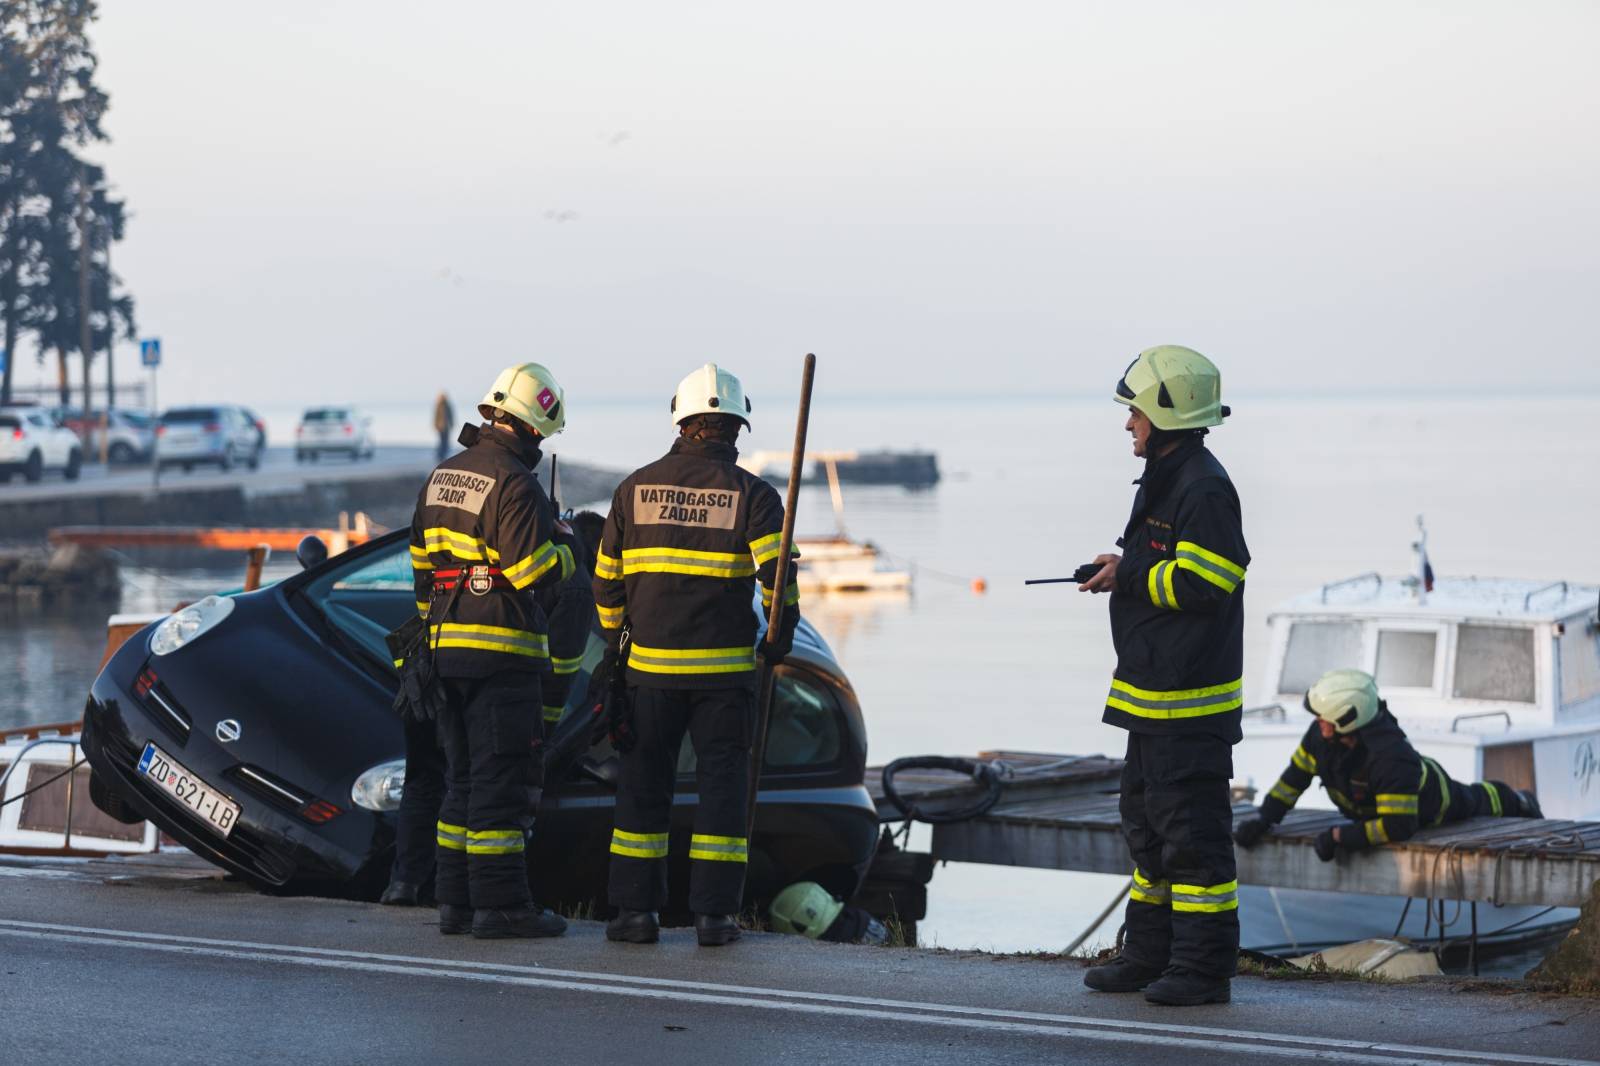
(714, 930)
(1120, 975)
(529, 920)
(401, 894)
(634, 927)
(1185, 988)
(1530, 803)
(454, 920)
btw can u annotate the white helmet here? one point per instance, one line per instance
(710, 391)
(1346, 698)
(530, 393)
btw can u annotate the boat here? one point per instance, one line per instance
(46, 799)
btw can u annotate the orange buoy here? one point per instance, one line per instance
(979, 586)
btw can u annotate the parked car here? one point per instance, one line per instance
(334, 431)
(131, 434)
(261, 427)
(32, 442)
(258, 730)
(222, 435)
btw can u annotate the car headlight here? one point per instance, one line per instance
(379, 789)
(187, 625)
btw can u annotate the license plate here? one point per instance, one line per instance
(219, 813)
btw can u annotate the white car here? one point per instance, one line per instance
(334, 431)
(32, 442)
(221, 435)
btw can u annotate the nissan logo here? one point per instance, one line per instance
(228, 731)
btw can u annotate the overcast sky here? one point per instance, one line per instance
(342, 199)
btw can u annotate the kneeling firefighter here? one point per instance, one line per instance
(1373, 775)
(1177, 621)
(486, 550)
(687, 538)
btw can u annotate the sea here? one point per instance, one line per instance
(1033, 485)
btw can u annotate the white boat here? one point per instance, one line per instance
(44, 785)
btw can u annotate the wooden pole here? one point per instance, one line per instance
(780, 585)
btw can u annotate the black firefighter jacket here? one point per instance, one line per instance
(687, 538)
(1177, 612)
(484, 508)
(1386, 789)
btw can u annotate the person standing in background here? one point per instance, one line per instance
(444, 417)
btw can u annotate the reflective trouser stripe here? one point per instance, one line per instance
(494, 842)
(1285, 793)
(553, 714)
(453, 837)
(638, 845)
(1376, 833)
(719, 849)
(1175, 704)
(1304, 760)
(1494, 798)
(1206, 899)
(1144, 890)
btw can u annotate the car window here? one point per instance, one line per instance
(1405, 658)
(1317, 647)
(40, 421)
(1494, 663)
(804, 730)
(7, 422)
(187, 415)
(325, 414)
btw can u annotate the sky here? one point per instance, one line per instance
(368, 201)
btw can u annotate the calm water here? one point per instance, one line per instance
(1032, 488)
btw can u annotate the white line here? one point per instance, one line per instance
(812, 1003)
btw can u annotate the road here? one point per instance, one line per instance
(104, 966)
(278, 471)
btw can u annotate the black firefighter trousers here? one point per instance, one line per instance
(719, 723)
(492, 789)
(1183, 910)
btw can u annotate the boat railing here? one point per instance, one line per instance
(1267, 712)
(72, 765)
(1528, 599)
(1371, 575)
(1478, 715)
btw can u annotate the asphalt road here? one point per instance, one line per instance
(278, 471)
(134, 970)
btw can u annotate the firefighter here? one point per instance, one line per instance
(1177, 623)
(486, 550)
(686, 540)
(1374, 776)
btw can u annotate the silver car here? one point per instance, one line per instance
(334, 431)
(188, 436)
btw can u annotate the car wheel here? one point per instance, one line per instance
(225, 464)
(188, 468)
(111, 803)
(33, 469)
(5, 477)
(74, 465)
(254, 462)
(122, 452)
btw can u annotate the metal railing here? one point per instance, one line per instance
(70, 774)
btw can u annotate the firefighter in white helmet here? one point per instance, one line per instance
(487, 553)
(1373, 775)
(688, 539)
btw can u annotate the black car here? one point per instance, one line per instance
(257, 730)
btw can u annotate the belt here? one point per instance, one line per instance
(495, 578)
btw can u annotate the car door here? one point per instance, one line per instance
(47, 437)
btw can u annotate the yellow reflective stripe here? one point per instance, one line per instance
(419, 559)
(664, 560)
(1396, 803)
(1178, 703)
(607, 568)
(791, 596)
(718, 849)
(553, 714)
(422, 608)
(1145, 890)
(610, 617)
(1285, 793)
(1304, 760)
(544, 558)
(764, 549)
(1212, 557)
(638, 845)
(692, 660)
(1494, 797)
(494, 842)
(489, 638)
(453, 837)
(1376, 834)
(1444, 787)
(567, 666)
(463, 546)
(1205, 899)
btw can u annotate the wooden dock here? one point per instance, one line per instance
(1060, 813)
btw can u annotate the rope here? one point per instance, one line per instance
(49, 780)
(985, 774)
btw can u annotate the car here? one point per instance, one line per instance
(32, 442)
(258, 730)
(220, 434)
(131, 435)
(261, 427)
(333, 431)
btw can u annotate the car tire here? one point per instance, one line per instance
(113, 805)
(188, 468)
(254, 462)
(33, 469)
(122, 452)
(74, 465)
(225, 463)
(5, 477)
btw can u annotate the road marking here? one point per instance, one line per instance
(1123, 1031)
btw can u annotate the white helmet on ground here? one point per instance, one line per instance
(529, 393)
(1346, 698)
(710, 390)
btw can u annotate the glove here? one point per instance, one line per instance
(600, 685)
(773, 653)
(1248, 832)
(1326, 846)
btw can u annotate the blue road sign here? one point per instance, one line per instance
(150, 351)
(2, 360)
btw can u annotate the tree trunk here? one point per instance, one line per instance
(13, 298)
(63, 389)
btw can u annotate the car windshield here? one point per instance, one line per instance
(136, 419)
(373, 593)
(186, 415)
(327, 414)
(7, 422)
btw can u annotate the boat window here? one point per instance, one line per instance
(804, 730)
(1405, 658)
(1317, 647)
(1580, 663)
(1494, 663)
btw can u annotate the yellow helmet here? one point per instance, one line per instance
(529, 393)
(805, 908)
(1347, 698)
(1175, 387)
